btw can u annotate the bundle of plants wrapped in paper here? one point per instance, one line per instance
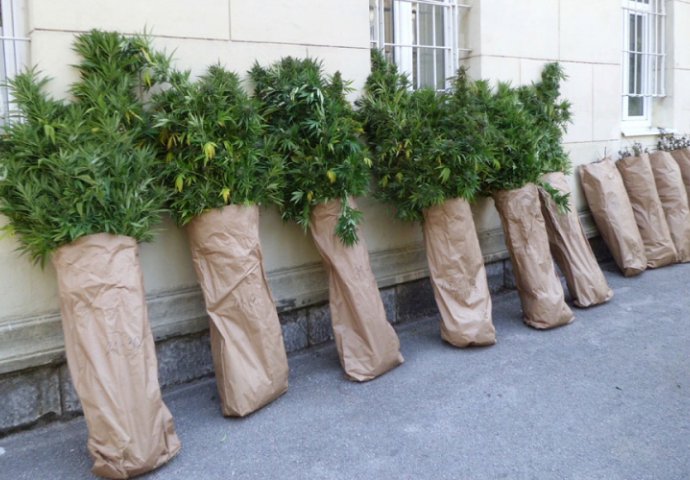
(636, 171)
(217, 171)
(670, 168)
(314, 129)
(612, 212)
(679, 148)
(516, 169)
(568, 241)
(428, 152)
(78, 183)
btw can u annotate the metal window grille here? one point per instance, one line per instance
(644, 48)
(14, 48)
(422, 37)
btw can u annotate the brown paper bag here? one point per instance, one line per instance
(674, 201)
(571, 249)
(246, 338)
(682, 158)
(458, 275)
(111, 355)
(367, 344)
(638, 179)
(541, 293)
(608, 201)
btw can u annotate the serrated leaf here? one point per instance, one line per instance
(209, 150)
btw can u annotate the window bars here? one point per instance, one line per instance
(14, 48)
(644, 55)
(422, 37)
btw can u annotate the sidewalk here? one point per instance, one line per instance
(607, 397)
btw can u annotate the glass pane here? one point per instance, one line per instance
(426, 70)
(440, 69)
(635, 73)
(635, 107)
(413, 26)
(637, 57)
(431, 33)
(639, 33)
(388, 21)
(440, 54)
(426, 24)
(426, 37)
(440, 30)
(373, 22)
(636, 33)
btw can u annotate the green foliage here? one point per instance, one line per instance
(115, 73)
(74, 169)
(211, 135)
(550, 116)
(513, 139)
(560, 199)
(425, 150)
(314, 129)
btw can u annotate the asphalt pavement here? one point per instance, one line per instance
(607, 397)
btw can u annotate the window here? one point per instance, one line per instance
(13, 49)
(644, 59)
(420, 36)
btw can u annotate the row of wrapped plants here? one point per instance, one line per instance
(640, 204)
(83, 181)
(435, 153)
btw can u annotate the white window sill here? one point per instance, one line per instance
(638, 131)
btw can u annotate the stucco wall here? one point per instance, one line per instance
(510, 41)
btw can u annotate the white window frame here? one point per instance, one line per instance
(405, 45)
(650, 58)
(14, 50)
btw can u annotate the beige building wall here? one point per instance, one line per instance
(510, 40)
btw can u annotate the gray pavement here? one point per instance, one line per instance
(607, 397)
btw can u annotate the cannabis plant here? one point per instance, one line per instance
(514, 141)
(72, 169)
(634, 150)
(314, 129)
(420, 158)
(550, 115)
(668, 141)
(211, 136)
